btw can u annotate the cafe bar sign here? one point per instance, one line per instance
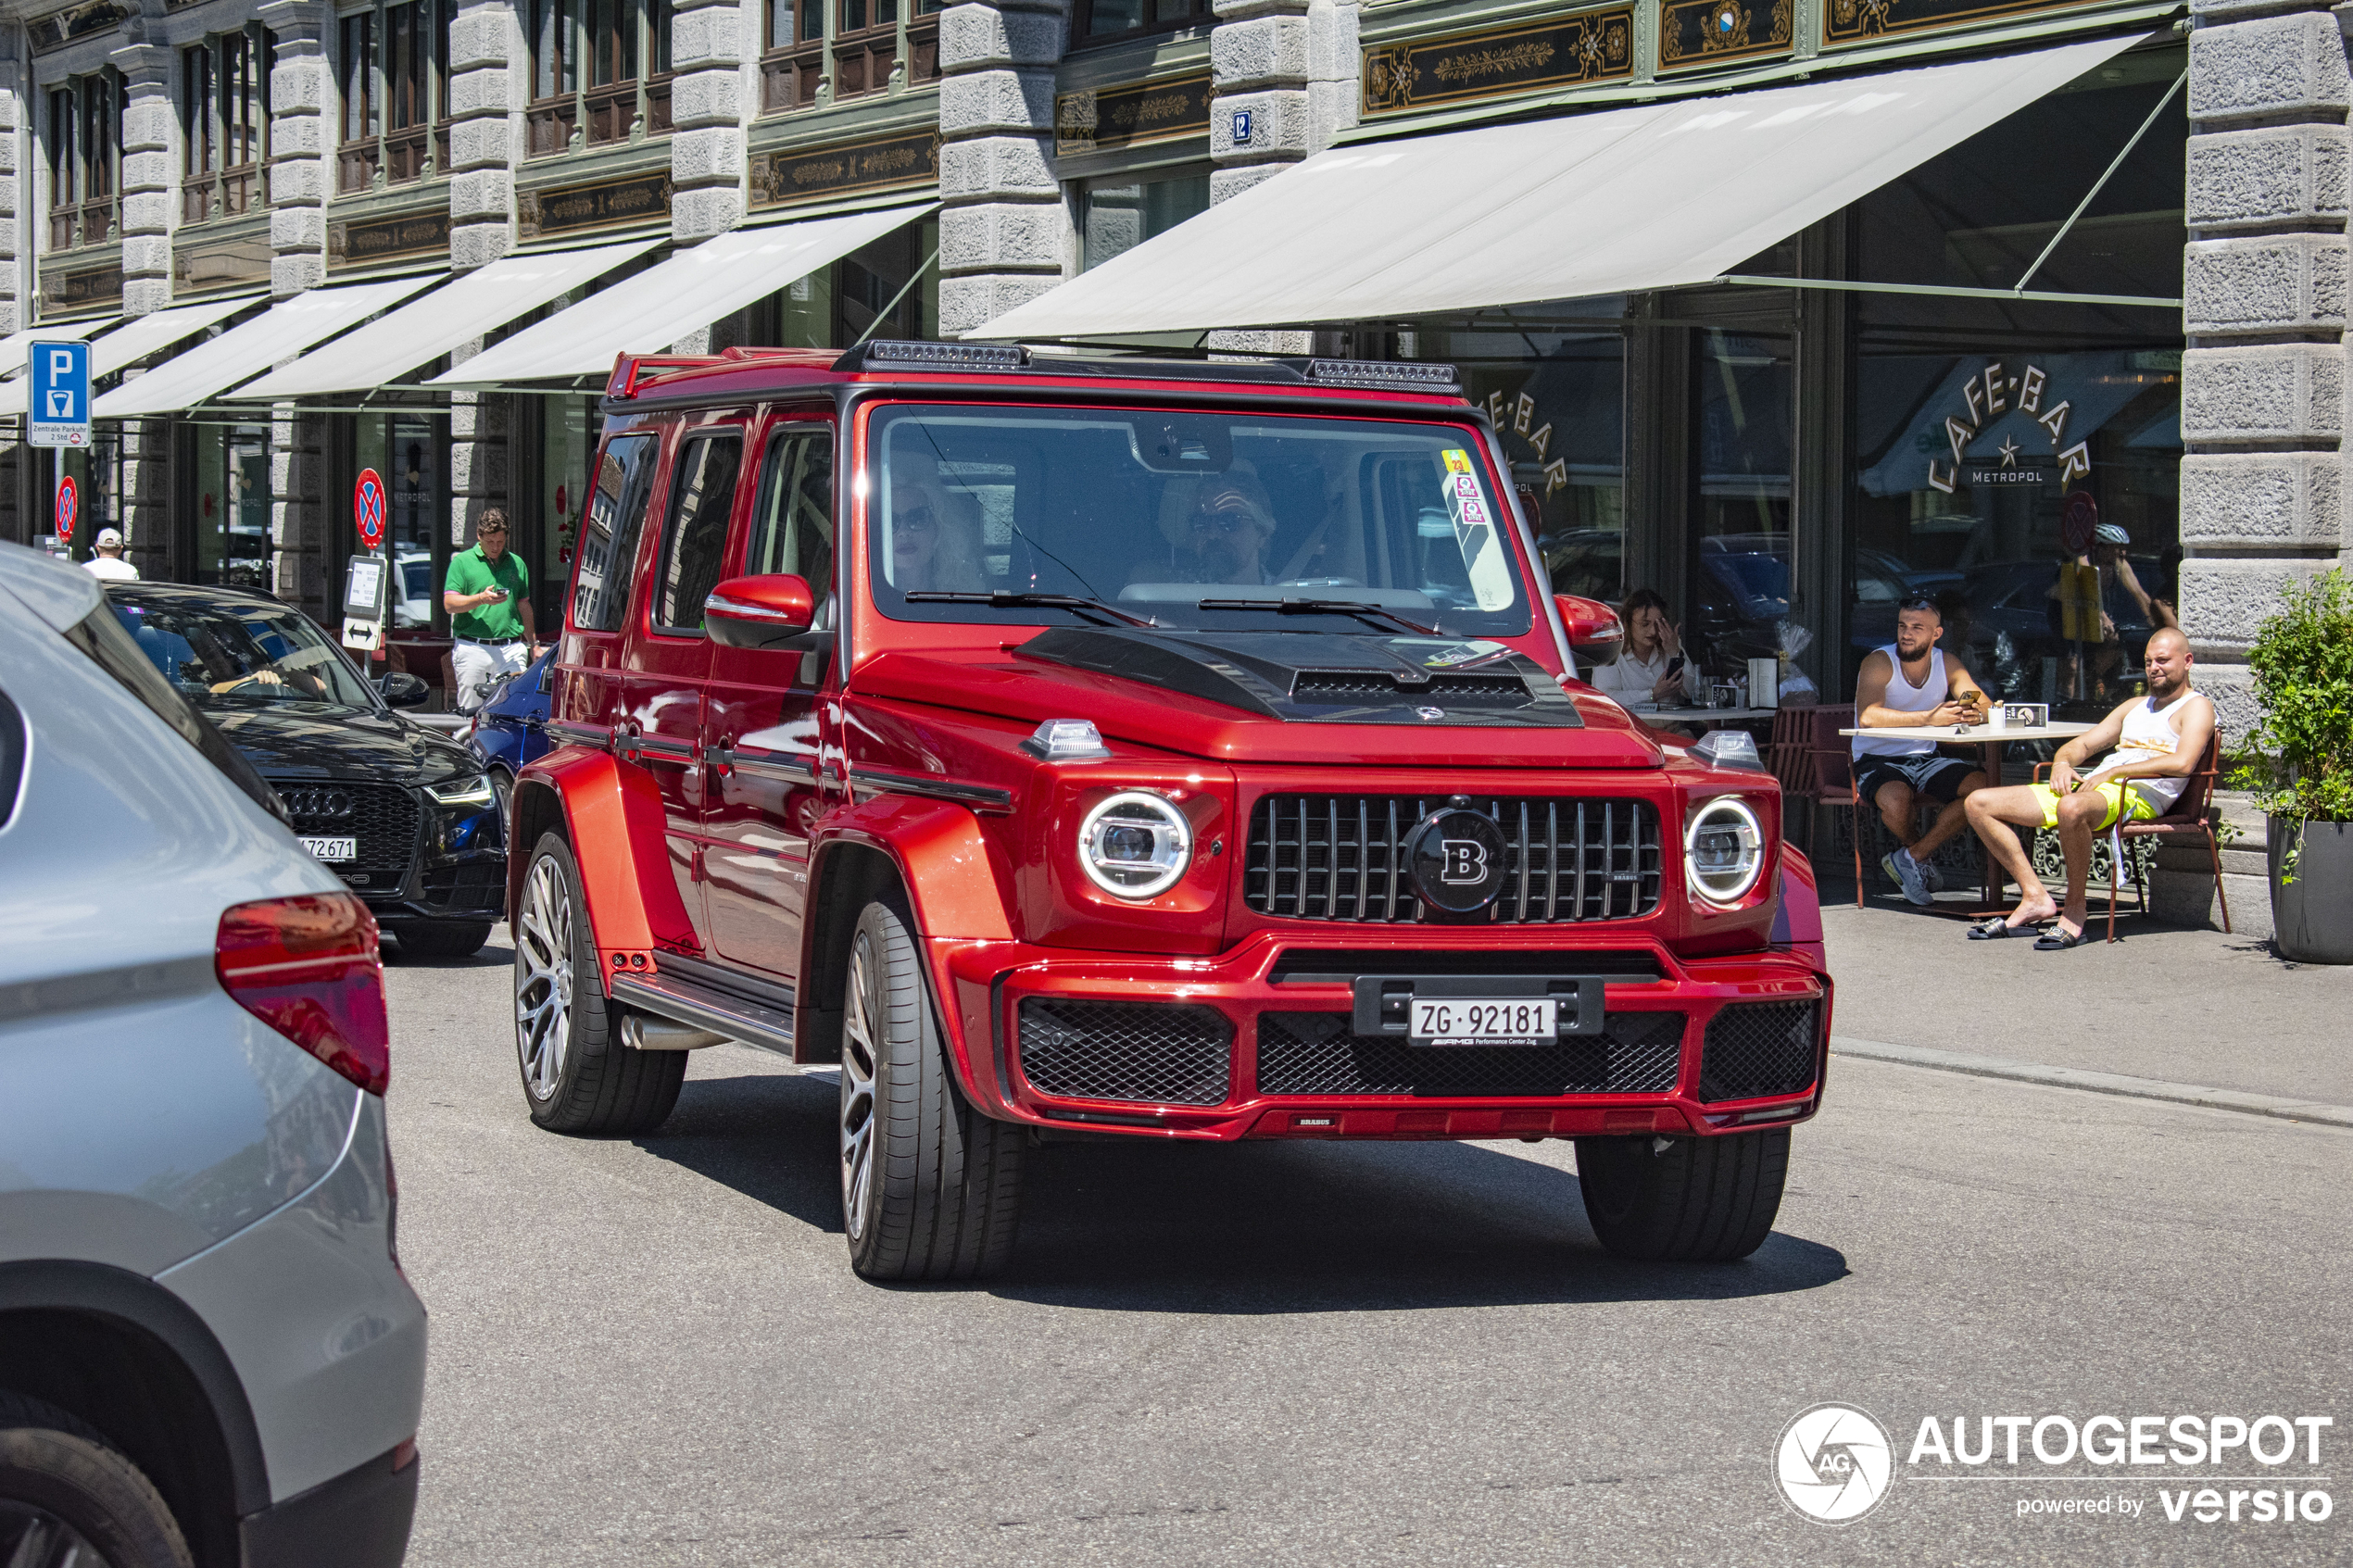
(1989, 396)
(1110, 120)
(1693, 34)
(1852, 21)
(1465, 66)
(782, 178)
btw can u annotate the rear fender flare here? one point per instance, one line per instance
(612, 816)
(939, 857)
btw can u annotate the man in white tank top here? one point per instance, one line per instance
(1912, 681)
(2158, 741)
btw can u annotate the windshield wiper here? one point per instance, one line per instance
(1006, 599)
(1323, 607)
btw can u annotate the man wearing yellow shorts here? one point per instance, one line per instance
(2154, 743)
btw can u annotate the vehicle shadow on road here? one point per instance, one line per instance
(491, 956)
(1244, 1228)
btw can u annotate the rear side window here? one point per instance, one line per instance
(110, 647)
(792, 524)
(608, 542)
(696, 543)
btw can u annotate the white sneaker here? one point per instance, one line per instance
(1906, 873)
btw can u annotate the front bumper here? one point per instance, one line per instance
(1258, 1043)
(359, 1519)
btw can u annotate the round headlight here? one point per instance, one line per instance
(1135, 844)
(1723, 850)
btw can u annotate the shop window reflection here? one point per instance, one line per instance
(228, 514)
(410, 453)
(1117, 216)
(1743, 386)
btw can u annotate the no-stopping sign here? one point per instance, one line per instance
(68, 507)
(368, 508)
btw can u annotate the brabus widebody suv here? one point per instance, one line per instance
(1121, 747)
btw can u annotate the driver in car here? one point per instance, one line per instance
(1227, 531)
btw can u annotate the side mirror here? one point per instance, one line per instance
(401, 689)
(767, 611)
(1595, 632)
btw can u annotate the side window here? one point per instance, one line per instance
(700, 498)
(792, 524)
(608, 540)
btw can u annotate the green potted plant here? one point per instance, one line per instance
(2299, 765)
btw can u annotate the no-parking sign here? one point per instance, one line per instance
(69, 508)
(368, 508)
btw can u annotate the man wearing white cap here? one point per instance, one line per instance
(109, 562)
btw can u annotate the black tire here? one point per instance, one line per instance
(441, 939)
(1693, 1200)
(59, 1480)
(591, 1082)
(931, 1189)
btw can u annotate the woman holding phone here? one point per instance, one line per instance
(1649, 670)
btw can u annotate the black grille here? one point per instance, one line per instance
(1758, 1048)
(382, 817)
(1464, 691)
(1313, 1053)
(480, 886)
(1342, 856)
(1164, 1053)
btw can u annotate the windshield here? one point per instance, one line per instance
(1155, 511)
(231, 653)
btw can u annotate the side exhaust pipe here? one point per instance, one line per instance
(641, 1033)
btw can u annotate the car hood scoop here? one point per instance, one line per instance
(1321, 678)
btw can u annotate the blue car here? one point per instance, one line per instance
(511, 728)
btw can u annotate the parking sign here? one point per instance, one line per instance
(59, 407)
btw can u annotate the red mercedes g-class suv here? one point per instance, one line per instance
(1106, 746)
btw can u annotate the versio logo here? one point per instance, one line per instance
(1833, 1463)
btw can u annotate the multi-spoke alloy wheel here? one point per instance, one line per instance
(930, 1188)
(577, 1076)
(858, 1092)
(543, 978)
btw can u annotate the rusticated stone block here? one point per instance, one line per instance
(146, 255)
(706, 157)
(1259, 51)
(2225, 599)
(1000, 98)
(2262, 498)
(697, 215)
(1227, 184)
(2273, 66)
(1025, 236)
(2279, 392)
(968, 305)
(992, 166)
(291, 274)
(297, 228)
(973, 36)
(477, 244)
(710, 97)
(1279, 125)
(2272, 282)
(2284, 174)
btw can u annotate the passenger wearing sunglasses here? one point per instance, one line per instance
(930, 549)
(1229, 527)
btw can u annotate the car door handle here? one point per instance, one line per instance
(762, 763)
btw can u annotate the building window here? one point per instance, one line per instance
(395, 94)
(1119, 215)
(1102, 20)
(870, 40)
(225, 109)
(84, 158)
(225, 522)
(599, 73)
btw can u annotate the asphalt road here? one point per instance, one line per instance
(653, 1351)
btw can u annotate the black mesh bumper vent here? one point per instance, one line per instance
(1342, 857)
(383, 818)
(1313, 1053)
(1160, 1053)
(1759, 1049)
(1483, 692)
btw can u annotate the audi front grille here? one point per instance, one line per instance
(383, 818)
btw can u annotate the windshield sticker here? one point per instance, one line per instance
(1464, 653)
(1490, 574)
(1457, 460)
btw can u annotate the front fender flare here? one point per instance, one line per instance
(613, 815)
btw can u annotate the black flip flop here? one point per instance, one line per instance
(1996, 928)
(2057, 940)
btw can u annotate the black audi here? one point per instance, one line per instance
(407, 817)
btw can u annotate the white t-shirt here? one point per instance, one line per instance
(114, 569)
(1631, 680)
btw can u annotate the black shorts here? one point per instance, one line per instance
(1929, 773)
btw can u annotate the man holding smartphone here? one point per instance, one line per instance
(488, 598)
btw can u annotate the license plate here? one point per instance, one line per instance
(1484, 1020)
(332, 848)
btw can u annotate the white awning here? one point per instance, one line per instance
(647, 313)
(277, 333)
(16, 349)
(1657, 195)
(137, 338)
(424, 329)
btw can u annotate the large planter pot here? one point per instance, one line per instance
(2312, 916)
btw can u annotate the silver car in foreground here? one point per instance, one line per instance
(208, 1355)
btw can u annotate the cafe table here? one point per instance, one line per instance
(1989, 743)
(1705, 718)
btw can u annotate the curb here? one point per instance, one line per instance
(2277, 1106)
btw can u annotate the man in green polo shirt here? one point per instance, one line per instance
(488, 598)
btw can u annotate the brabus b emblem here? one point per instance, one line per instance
(1456, 858)
(1466, 861)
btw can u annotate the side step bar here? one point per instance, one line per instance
(706, 1006)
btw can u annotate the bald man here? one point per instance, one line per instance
(2154, 743)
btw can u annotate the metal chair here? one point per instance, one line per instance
(2185, 819)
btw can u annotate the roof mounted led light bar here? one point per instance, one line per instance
(934, 356)
(1414, 375)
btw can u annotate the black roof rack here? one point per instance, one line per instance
(1386, 375)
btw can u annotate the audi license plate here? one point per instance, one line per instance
(333, 849)
(1484, 1020)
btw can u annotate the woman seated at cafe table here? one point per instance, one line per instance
(1651, 670)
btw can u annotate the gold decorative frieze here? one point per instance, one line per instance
(1108, 120)
(387, 239)
(601, 203)
(1851, 21)
(1697, 33)
(1593, 47)
(782, 178)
